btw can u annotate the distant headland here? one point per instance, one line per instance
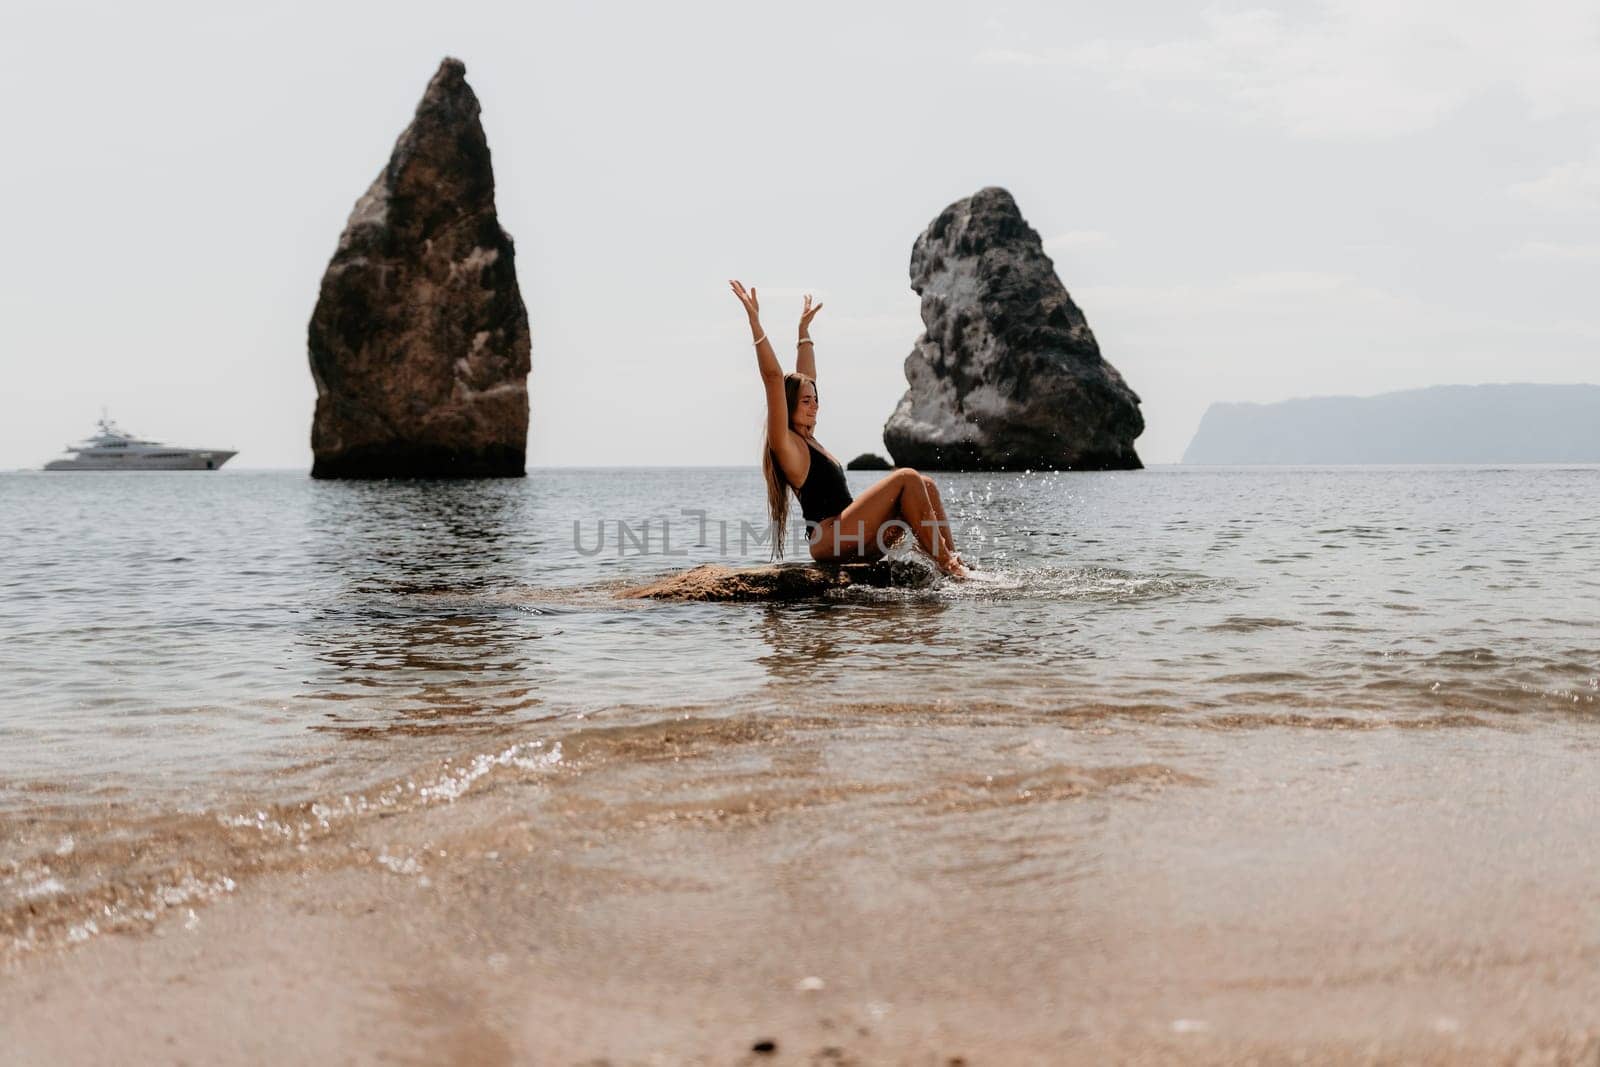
(1511, 423)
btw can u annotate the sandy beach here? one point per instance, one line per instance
(1087, 887)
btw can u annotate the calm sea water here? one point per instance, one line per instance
(209, 643)
(158, 630)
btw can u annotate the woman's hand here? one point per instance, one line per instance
(748, 299)
(807, 313)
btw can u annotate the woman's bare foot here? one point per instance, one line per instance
(953, 567)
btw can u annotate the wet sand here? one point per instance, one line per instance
(889, 885)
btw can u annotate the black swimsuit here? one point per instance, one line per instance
(825, 493)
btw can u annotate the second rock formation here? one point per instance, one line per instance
(1007, 375)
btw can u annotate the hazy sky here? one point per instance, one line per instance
(1248, 202)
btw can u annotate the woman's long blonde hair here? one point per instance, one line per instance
(777, 482)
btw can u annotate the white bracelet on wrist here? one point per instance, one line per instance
(758, 340)
(803, 341)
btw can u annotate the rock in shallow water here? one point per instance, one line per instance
(419, 341)
(1007, 375)
(782, 581)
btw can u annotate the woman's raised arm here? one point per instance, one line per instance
(766, 358)
(779, 438)
(805, 360)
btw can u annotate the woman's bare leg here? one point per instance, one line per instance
(903, 496)
(938, 512)
(943, 543)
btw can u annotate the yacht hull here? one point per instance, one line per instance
(187, 461)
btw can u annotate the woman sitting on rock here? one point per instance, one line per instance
(840, 528)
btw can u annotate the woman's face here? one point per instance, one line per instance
(805, 411)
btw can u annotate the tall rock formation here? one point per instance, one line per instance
(419, 341)
(1007, 375)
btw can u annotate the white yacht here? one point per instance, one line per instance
(112, 449)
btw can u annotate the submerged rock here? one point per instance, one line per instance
(1007, 375)
(868, 461)
(781, 581)
(419, 341)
